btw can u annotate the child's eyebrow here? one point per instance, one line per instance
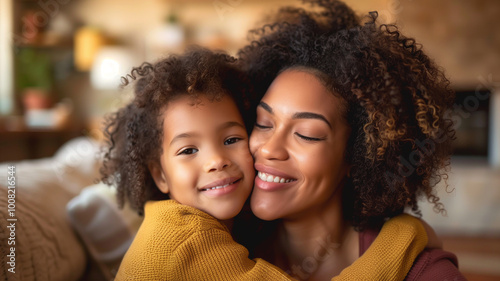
(230, 124)
(221, 127)
(182, 136)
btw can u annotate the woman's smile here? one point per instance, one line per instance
(271, 179)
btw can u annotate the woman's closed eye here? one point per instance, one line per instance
(311, 139)
(260, 126)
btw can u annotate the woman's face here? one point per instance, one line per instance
(298, 144)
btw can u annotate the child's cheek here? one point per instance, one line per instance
(249, 158)
(248, 162)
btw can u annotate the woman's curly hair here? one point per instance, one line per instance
(134, 133)
(396, 101)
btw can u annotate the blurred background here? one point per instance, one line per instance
(61, 63)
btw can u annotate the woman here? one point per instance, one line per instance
(351, 130)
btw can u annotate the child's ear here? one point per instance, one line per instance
(158, 176)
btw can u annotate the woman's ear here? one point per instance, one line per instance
(158, 176)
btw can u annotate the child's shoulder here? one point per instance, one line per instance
(168, 225)
(179, 217)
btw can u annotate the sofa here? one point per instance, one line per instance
(65, 224)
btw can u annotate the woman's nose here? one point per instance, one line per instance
(216, 161)
(274, 147)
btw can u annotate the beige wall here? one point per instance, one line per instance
(462, 36)
(128, 20)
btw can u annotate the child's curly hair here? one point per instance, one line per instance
(134, 133)
(396, 101)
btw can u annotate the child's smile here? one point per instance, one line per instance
(205, 162)
(221, 187)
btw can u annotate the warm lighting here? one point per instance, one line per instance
(88, 41)
(110, 64)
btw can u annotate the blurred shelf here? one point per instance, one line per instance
(51, 47)
(31, 143)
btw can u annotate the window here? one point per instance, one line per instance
(6, 69)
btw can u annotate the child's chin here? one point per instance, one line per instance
(226, 214)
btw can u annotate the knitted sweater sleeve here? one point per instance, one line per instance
(206, 251)
(213, 255)
(177, 242)
(391, 255)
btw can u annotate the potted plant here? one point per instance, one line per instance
(34, 78)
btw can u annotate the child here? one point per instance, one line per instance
(179, 155)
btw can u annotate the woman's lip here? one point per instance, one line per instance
(220, 182)
(272, 171)
(270, 186)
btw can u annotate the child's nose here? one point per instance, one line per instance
(217, 162)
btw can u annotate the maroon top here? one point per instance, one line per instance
(431, 264)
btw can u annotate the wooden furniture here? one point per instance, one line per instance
(29, 143)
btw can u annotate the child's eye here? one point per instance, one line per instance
(231, 141)
(188, 151)
(308, 138)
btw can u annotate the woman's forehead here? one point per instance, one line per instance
(295, 90)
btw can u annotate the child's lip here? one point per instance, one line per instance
(220, 182)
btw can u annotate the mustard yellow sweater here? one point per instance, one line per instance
(178, 242)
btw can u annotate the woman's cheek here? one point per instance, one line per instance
(311, 158)
(254, 142)
(317, 163)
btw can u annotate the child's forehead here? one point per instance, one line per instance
(194, 100)
(200, 115)
(191, 106)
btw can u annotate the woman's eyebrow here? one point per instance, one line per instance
(311, 115)
(298, 115)
(266, 107)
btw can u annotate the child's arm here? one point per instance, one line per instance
(177, 242)
(214, 255)
(391, 255)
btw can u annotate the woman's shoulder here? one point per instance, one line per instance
(435, 264)
(431, 264)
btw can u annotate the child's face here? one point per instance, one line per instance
(206, 162)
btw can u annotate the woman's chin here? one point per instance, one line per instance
(265, 216)
(264, 210)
